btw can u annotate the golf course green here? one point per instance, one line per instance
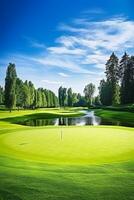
(58, 162)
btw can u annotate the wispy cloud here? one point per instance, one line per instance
(98, 38)
(112, 34)
(86, 44)
(93, 11)
(83, 47)
(34, 43)
(65, 50)
(63, 74)
(38, 45)
(65, 62)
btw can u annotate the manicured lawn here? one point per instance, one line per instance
(77, 163)
(70, 145)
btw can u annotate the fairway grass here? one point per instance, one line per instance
(65, 163)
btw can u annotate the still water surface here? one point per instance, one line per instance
(88, 119)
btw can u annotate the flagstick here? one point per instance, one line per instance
(61, 133)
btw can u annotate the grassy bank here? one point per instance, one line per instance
(124, 108)
(120, 116)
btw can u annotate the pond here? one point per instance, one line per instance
(88, 119)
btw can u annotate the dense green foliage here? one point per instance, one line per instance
(23, 94)
(112, 75)
(119, 84)
(1, 96)
(105, 93)
(10, 84)
(127, 81)
(89, 92)
(69, 98)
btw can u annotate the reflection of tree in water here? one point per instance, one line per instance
(40, 122)
(60, 121)
(70, 121)
(88, 121)
(63, 121)
(74, 121)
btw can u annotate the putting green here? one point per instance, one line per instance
(70, 145)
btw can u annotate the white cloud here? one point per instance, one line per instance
(65, 27)
(114, 33)
(87, 44)
(65, 50)
(67, 41)
(63, 62)
(63, 74)
(97, 59)
(34, 43)
(38, 45)
(83, 47)
(98, 39)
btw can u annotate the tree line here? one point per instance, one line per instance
(71, 99)
(23, 94)
(118, 87)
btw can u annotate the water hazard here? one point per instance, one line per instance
(88, 119)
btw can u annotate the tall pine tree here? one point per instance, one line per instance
(10, 85)
(112, 74)
(127, 78)
(105, 93)
(70, 97)
(89, 92)
(123, 65)
(127, 84)
(1, 95)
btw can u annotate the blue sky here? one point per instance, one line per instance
(63, 42)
